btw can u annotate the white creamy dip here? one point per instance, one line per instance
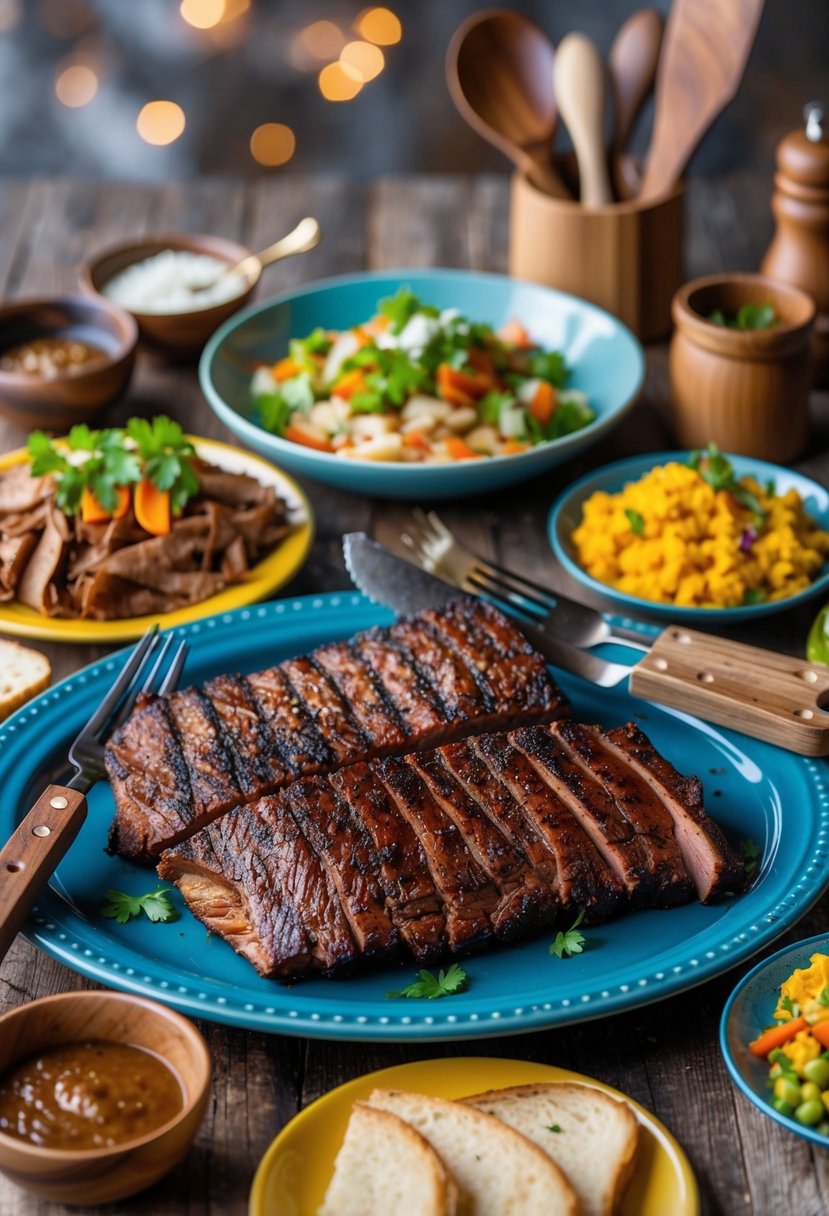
(165, 283)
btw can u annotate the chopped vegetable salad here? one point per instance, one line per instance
(419, 385)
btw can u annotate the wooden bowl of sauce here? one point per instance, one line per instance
(63, 360)
(101, 1094)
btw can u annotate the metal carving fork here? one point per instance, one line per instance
(38, 843)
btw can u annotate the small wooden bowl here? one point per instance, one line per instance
(96, 1176)
(745, 390)
(626, 257)
(78, 395)
(180, 335)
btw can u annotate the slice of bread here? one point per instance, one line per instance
(590, 1135)
(23, 673)
(498, 1171)
(386, 1168)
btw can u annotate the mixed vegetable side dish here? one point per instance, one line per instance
(797, 1046)
(697, 536)
(420, 385)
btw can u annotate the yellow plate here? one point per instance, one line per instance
(265, 578)
(295, 1171)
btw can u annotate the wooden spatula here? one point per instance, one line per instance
(580, 82)
(704, 54)
(632, 63)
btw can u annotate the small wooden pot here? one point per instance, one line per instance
(745, 390)
(626, 257)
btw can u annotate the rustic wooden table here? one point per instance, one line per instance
(666, 1055)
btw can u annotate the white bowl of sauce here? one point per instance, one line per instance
(101, 1094)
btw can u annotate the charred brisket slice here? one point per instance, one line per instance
(443, 850)
(715, 867)
(180, 761)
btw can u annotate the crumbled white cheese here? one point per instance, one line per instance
(169, 282)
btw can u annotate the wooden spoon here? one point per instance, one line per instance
(707, 44)
(632, 63)
(581, 89)
(499, 68)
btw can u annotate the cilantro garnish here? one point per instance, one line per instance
(570, 941)
(636, 521)
(751, 856)
(155, 905)
(823, 997)
(548, 365)
(718, 471)
(402, 306)
(787, 1005)
(749, 316)
(108, 464)
(446, 983)
(754, 595)
(554, 1127)
(167, 455)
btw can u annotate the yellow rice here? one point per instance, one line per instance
(689, 551)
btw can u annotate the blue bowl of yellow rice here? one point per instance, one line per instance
(670, 545)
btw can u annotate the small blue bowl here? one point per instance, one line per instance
(748, 1011)
(566, 515)
(607, 363)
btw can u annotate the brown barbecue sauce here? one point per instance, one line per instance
(88, 1096)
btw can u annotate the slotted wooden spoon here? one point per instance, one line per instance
(704, 54)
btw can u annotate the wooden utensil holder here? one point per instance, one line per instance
(626, 257)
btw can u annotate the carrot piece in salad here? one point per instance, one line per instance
(821, 1032)
(514, 334)
(348, 384)
(92, 512)
(775, 1036)
(285, 369)
(296, 435)
(459, 449)
(544, 402)
(417, 441)
(460, 388)
(152, 508)
(512, 447)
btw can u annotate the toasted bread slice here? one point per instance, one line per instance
(386, 1167)
(23, 673)
(590, 1135)
(498, 1171)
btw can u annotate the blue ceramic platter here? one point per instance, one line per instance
(748, 1011)
(566, 515)
(606, 360)
(750, 788)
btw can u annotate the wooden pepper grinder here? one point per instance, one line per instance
(799, 251)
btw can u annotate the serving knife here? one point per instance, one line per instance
(774, 697)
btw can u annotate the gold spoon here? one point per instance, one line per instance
(305, 236)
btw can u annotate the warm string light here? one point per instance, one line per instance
(76, 85)
(10, 13)
(160, 122)
(366, 59)
(202, 14)
(339, 82)
(272, 144)
(379, 25)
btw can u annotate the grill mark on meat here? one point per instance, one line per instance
(345, 852)
(212, 778)
(585, 880)
(299, 744)
(490, 644)
(496, 801)
(412, 901)
(451, 680)
(360, 689)
(329, 712)
(148, 773)
(594, 809)
(404, 684)
(239, 876)
(252, 748)
(637, 802)
(468, 894)
(467, 658)
(713, 864)
(521, 902)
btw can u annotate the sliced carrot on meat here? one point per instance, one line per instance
(418, 441)
(776, 1036)
(296, 435)
(544, 402)
(459, 449)
(152, 508)
(92, 512)
(514, 334)
(512, 447)
(285, 369)
(348, 384)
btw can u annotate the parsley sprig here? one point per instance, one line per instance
(570, 941)
(748, 316)
(155, 905)
(166, 456)
(446, 983)
(718, 471)
(636, 521)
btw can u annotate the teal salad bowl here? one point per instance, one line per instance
(606, 362)
(748, 1011)
(566, 515)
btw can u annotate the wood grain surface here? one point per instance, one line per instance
(666, 1055)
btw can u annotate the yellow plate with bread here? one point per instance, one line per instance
(266, 577)
(295, 1173)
